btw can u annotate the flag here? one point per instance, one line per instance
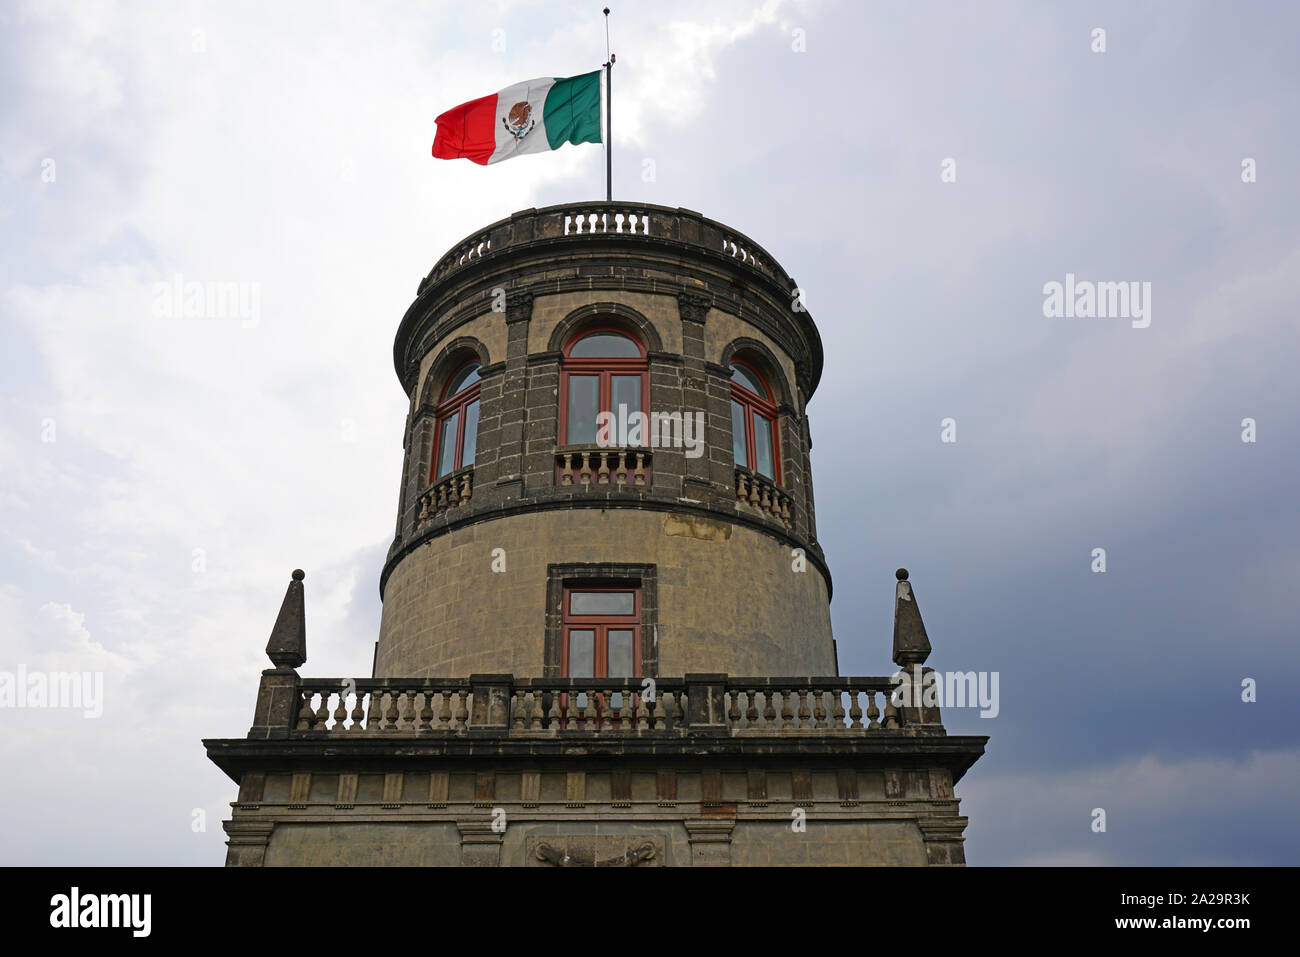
(530, 117)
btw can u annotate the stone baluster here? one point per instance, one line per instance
(341, 714)
(535, 711)
(392, 715)
(462, 710)
(804, 714)
(769, 710)
(358, 711)
(426, 711)
(837, 710)
(891, 713)
(323, 713)
(566, 474)
(519, 717)
(375, 712)
(555, 716)
(639, 478)
(733, 713)
(603, 476)
(855, 711)
(787, 715)
(306, 714)
(872, 712)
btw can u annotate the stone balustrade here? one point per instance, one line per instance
(762, 493)
(634, 221)
(602, 466)
(522, 707)
(448, 492)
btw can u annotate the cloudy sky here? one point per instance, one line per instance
(162, 475)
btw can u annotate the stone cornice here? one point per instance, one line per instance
(900, 749)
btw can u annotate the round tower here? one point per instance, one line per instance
(607, 456)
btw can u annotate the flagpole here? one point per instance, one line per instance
(609, 116)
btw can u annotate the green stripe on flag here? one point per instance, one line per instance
(571, 113)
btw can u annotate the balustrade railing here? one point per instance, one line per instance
(762, 493)
(448, 492)
(624, 219)
(546, 706)
(602, 466)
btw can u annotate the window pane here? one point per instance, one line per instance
(602, 603)
(582, 409)
(465, 377)
(471, 433)
(620, 653)
(605, 345)
(582, 653)
(763, 446)
(447, 444)
(743, 377)
(738, 434)
(625, 390)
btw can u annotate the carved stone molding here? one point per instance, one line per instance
(693, 306)
(519, 306)
(606, 850)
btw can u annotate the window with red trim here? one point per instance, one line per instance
(603, 368)
(601, 628)
(456, 436)
(753, 422)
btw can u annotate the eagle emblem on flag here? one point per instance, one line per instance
(519, 122)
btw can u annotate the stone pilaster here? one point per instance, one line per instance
(246, 842)
(710, 841)
(480, 846)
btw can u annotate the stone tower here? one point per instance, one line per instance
(605, 514)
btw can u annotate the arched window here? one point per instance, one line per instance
(457, 412)
(603, 369)
(753, 422)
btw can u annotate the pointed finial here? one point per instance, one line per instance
(911, 644)
(288, 645)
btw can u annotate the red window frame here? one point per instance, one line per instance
(446, 408)
(603, 367)
(601, 625)
(766, 408)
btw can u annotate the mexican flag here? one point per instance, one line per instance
(529, 117)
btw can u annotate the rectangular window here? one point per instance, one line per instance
(625, 390)
(583, 405)
(763, 446)
(471, 434)
(738, 434)
(602, 632)
(447, 445)
(582, 653)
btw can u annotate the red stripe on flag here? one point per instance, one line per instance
(467, 130)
